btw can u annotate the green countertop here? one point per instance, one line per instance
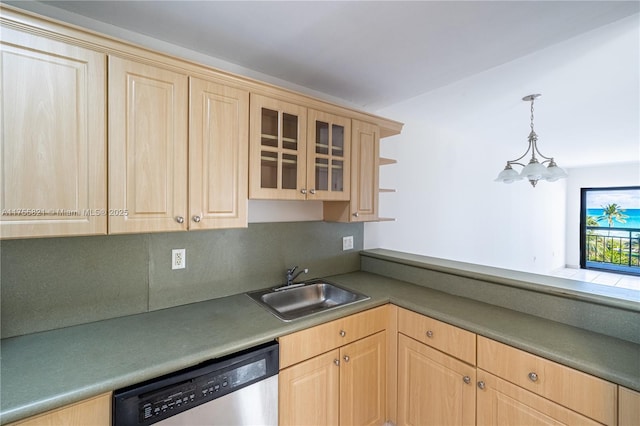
(47, 370)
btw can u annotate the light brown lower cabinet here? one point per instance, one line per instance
(502, 403)
(565, 388)
(628, 407)
(336, 373)
(433, 387)
(90, 412)
(345, 386)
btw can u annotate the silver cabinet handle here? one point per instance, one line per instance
(343, 333)
(313, 191)
(336, 362)
(533, 377)
(356, 214)
(481, 384)
(346, 358)
(180, 219)
(304, 191)
(466, 379)
(429, 334)
(196, 219)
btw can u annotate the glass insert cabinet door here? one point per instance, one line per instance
(328, 156)
(277, 150)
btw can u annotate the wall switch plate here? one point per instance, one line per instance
(178, 259)
(347, 243)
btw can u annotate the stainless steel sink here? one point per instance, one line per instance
(297, 301)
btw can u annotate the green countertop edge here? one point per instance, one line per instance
(214, 328)
(579, 290)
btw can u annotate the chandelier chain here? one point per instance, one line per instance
(531, 115)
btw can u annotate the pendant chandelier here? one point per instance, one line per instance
(535, 170)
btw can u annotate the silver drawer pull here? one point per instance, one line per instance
(346, 358)
(466, 379)
(180, 219)
(429, 334)
(533, 377)
(336, 362)
(343, 333)
(196, 219)
(481, 384)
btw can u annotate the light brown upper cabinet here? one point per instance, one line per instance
(173, 135)
(53, 142)
(365, 152)
(298, 154)
(148, 116)
(218, 153)
(328, 156)
(277, 156)
(103, 136)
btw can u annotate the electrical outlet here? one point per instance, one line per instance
(178, 259)
(347, 243)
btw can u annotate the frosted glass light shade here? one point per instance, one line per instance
(555, 173)
(508, 175)
(534, 171)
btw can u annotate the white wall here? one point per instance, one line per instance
(592, 177)
(457, 138)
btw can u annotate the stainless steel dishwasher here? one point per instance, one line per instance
(239, 389)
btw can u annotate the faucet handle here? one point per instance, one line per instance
(292, 270)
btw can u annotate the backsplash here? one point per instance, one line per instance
(58, 282)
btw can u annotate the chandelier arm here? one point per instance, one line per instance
(541, 155)
(515, 161)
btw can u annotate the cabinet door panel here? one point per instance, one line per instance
(277, 153)
(502, 403)
(433, 388)
(218, 156)
(309, 392)
(328, 156)
(364, 178)
(363, 381)
(628, 406)
(147, 147)
(53, 143)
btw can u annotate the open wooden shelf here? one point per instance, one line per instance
(384, 161)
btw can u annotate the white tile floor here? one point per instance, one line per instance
(599, 277)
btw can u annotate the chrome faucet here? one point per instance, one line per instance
(292, 276)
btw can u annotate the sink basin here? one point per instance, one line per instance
(302, 300)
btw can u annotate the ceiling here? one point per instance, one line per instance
(369, 54)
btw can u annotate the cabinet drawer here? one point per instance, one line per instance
(628, 407)
(581, 392)
(447, 338)
(93, 411)
(308, 343)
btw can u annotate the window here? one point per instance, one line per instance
(610, 229)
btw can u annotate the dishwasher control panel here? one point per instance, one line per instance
(154, 400)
